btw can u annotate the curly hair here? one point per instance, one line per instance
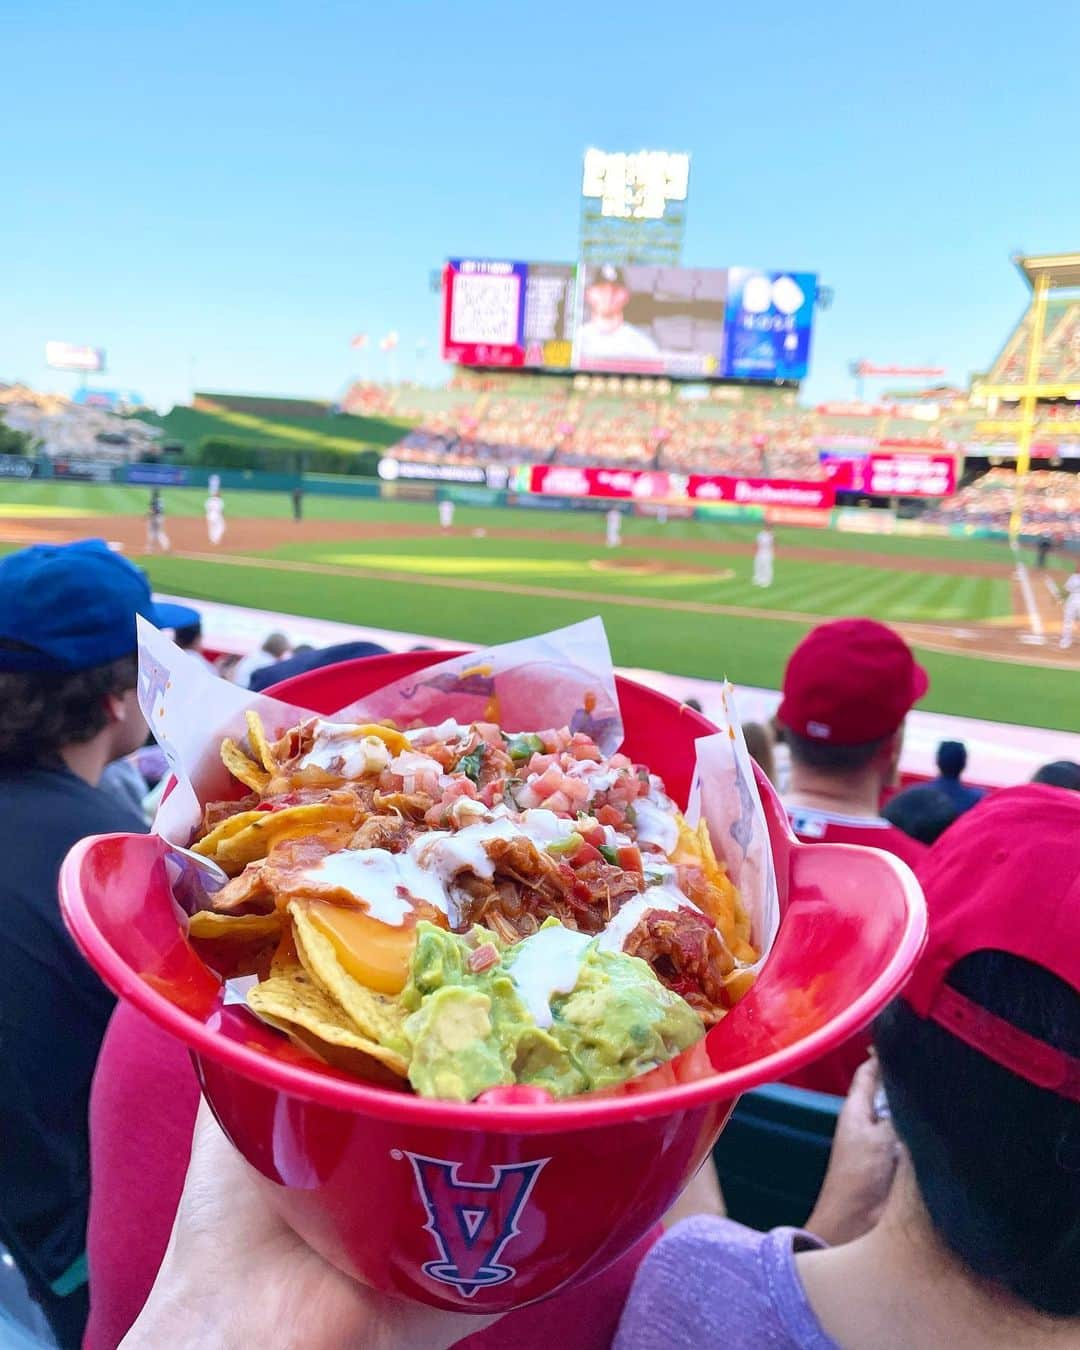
(42, 711)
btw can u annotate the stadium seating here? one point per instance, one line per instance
(1060, 358)
(1051, 501)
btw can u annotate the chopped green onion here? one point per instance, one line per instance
(631, 814)
(470, 765)
(565, 847)
(523, 747)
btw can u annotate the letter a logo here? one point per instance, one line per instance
(472, 1221)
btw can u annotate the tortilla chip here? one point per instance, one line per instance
(242, 767)
(294, 1003)
(378, 1016)
(719, 898)
(235, 944)
(208, 845)
(207, 926)
(259, 744)
(332, 822)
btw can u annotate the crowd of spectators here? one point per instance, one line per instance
(976, 1219)
(566, 427)
(63, 429)
(1051, 501)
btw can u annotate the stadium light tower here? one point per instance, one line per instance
(1045, 273)
(633, 206)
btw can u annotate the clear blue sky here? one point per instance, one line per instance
(222, 194)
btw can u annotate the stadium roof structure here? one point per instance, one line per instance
(1032, 341)
(1058, 271)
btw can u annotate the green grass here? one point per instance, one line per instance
(657, 624)
(825, 588)
(751, 651)
(341, 432)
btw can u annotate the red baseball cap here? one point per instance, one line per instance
(1005, 877)
(850, 682)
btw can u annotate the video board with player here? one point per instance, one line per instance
(643, 319)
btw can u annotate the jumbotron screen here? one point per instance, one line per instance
(690, 323)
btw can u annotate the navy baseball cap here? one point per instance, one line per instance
(74, 607)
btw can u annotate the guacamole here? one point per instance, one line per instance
(551, 1010)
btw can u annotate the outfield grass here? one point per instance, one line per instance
(749, 650)
(491, 590)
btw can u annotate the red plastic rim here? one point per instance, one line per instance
(572, 1113)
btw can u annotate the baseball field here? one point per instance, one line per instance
(675, 597)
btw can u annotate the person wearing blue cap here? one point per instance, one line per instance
(68, 706)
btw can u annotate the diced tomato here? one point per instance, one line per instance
(585, 854)
(492, 793)
(594, 836)
(549, 781)
(483, 958)
(629, 858)
(619, 762)
(539, 763)
(584, 749)
(577, 789)
(610, 815)
(558, 802)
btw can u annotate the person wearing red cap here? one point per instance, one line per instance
(848, 687)
(965, 1238)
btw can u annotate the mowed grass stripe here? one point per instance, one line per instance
(460, 583)
(752, 650)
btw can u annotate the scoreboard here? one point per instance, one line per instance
(641, 319)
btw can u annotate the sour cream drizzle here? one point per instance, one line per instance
(546, 964)
(339, 748)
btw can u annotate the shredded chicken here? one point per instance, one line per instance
(687, 954)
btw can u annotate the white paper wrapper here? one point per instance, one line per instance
(563, 678)
(725, 793)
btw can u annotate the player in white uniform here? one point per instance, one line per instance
(606, 336)
(215, 515)
(1072, 608)
(763, 559)
(446, 514)
(614, 528)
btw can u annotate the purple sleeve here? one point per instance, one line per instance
(712, 1282)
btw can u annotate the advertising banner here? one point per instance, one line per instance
(69, 356)
(769, 316)
(911, 475)
(15, 466)
(762, 491)
(654, 485)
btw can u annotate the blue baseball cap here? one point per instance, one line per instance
(74, 606)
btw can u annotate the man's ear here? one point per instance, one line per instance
(116, 708)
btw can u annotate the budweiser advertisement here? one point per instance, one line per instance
(649, 485)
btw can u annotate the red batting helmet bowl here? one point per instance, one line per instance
(488, 1205)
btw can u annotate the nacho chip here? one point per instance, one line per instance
(205, 925)
(332, 822)
(208, 845)
(378, 1016)
(294, 1003)
(718, 897)
(259, 743)
(233, 944)
(242, 767)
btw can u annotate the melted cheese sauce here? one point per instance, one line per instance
(374, 936)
